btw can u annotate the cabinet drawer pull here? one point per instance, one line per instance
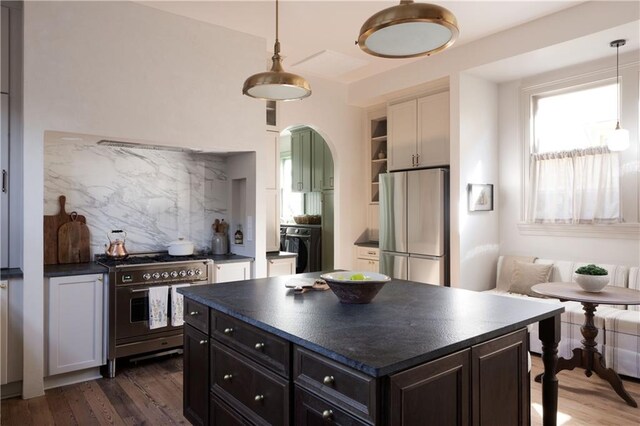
(372, 253)
(417, 159)
(202, 342)
(328, 380)
(259, 346)
(228, 330)
(194, 313)
(327, 415)
(227, 377)
(331, 182)
(258, 398)
(413, 160)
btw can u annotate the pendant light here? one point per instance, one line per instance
(276, 84)
(408, 30)
(618, 140)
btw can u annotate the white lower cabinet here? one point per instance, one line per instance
(234, 271)
(76, 325)
(367, 259)
(4, 330)
(281, 266)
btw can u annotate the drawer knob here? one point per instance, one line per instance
(328, 380)
(227, 377)
(258, 398)
(202, 342)
(259, 346)
(228, 330)
(194, 313)
(327, 415)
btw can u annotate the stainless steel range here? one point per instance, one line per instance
(128, 301)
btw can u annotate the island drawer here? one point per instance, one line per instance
(262, 347)
(311, 410)
(338, 384)
(222, 414)
(196, 315)
(255, 392)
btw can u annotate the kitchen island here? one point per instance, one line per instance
(257, 352)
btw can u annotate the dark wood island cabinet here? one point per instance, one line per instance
(256, 353)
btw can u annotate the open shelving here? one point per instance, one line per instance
(378, 154)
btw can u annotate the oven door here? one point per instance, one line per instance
(132, 313)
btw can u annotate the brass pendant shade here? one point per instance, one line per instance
(408, 30)
(276, 84)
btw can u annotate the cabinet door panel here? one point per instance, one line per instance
(196, 384)
(500, 379)
(327, 173)
(402, 135)
(317, 163)
(279, 267)
(4, 48)
(273, 220)
(437, 390)
(75, 323)
(225, 272)
(301, 161)
(4, 193)
(433, 130)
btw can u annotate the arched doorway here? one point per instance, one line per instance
(307, 187)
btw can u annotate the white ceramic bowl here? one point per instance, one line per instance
(181, 247)
(592, 283)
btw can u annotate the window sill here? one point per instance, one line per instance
(625, 231)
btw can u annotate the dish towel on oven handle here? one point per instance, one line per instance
(177, 305)
(158, 306)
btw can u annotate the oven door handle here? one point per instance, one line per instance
(139, 290)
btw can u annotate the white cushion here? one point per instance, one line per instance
(622, 342)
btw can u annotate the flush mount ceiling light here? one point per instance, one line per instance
(618, 140)
(408, 30)
(276, 84)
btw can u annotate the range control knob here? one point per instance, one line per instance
(146, 276)
(190, 272)
(183, 273)
(198, 272)
(156, 275)
(174, 274)
(165, 275)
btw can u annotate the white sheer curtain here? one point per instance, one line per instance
(578, 186)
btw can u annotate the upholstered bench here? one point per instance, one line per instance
(618, 328)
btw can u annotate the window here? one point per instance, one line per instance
(574, 178)
(292, 202)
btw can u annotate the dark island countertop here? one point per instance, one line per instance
(68, 269)
(407, 323)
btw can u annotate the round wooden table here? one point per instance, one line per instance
(587, 356)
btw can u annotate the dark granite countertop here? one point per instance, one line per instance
(229, 258)
(407, 323)
(280, 254)
(372, 244)
(68, 269)
(8, 273)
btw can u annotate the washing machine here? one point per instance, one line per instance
(305, 241)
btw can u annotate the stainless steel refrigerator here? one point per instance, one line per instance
(414, 225)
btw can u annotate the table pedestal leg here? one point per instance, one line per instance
(549, 330)
(590, 359)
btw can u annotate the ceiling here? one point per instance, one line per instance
(318, 37)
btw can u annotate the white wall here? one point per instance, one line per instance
(475, 236)
(603, 249)
(129, 72)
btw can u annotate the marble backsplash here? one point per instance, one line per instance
(155, 196)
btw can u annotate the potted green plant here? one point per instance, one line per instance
(592, 278)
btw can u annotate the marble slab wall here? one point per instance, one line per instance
(156, 196)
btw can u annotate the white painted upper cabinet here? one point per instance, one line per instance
(402, 136)
(234, 271)
(75, 334)
(433, 130)
(419, 132)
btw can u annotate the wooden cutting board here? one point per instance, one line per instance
(52, 224)
(73, 241)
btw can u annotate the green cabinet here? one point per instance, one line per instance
(312, 164)
(301, 161)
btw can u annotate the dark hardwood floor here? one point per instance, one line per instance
(150, 393)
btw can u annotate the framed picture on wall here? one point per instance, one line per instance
(480, 197)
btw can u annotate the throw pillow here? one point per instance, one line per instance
(526, 275)
(506, 270)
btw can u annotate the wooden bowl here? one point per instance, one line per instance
(355, 291)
